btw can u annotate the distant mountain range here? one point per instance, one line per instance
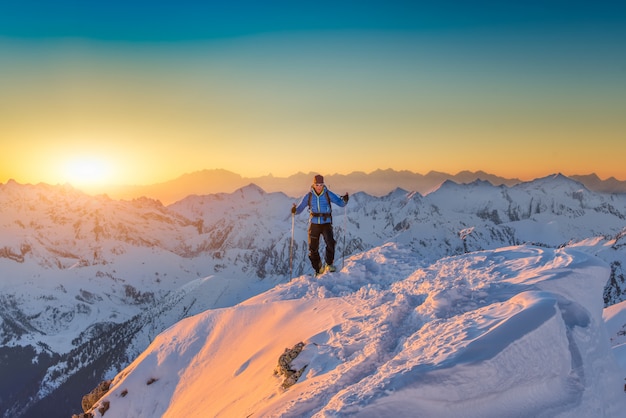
(376, 183)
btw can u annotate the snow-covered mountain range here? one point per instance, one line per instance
(89, 282)
(375, 183)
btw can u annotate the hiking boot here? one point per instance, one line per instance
(330, 268)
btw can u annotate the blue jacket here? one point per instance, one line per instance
(320, 205)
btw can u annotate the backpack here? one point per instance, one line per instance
(325, 215)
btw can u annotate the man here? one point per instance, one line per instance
(319, 201)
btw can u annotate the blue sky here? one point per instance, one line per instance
(188, 20)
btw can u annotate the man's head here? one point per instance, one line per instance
(318, 183)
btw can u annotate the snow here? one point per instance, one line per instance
(409, 326)
(515, 331)
(615, 319)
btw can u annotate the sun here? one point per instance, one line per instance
(87, 171)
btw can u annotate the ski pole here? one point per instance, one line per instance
(293, 217)
(345, 226)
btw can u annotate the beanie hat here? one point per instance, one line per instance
(318, 179)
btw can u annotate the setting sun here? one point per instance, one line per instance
(87, 171)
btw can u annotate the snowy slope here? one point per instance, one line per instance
(511, 332)
(615, 319)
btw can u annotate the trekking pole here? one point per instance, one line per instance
(293, 217)
(345, 226)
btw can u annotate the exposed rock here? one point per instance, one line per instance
(284, 365)
(94, 396)
(104, 407)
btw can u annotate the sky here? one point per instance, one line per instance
(95, 92)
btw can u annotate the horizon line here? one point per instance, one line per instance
(301, 173)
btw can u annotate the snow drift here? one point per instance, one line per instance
(509, 332)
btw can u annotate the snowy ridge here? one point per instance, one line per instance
(511, 332)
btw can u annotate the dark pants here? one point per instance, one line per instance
(325, 230)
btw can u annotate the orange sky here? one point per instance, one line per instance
(523, 97)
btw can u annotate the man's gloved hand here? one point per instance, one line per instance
(293, 209)
(345, 197)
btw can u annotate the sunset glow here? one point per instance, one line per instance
(516, 89)
(87, 171)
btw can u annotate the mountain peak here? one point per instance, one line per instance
(397, 192)
(448, 184)
(250, 191)
(557, 180)
(480, 182)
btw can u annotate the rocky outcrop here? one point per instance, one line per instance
(92, 397)
(284, 366)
